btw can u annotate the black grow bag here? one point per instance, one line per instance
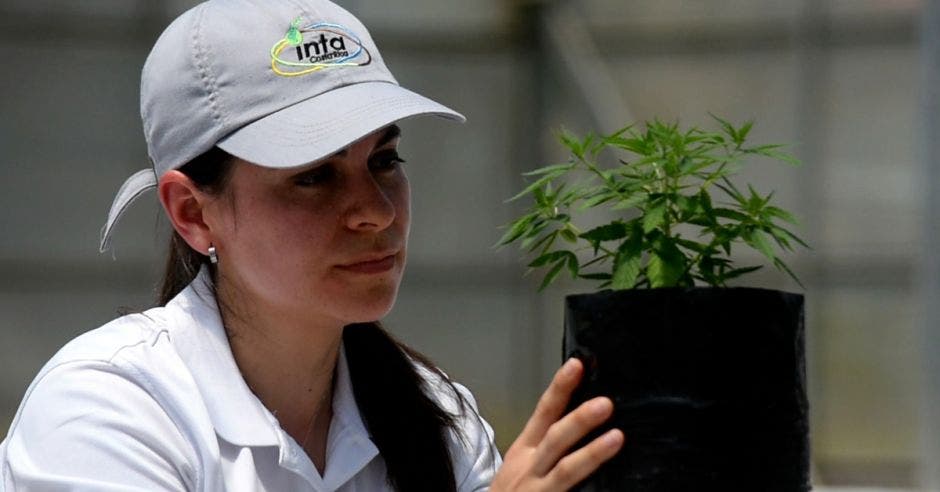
(708, 386)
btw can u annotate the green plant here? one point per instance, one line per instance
(661, 179)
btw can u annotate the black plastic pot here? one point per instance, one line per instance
(709, 386)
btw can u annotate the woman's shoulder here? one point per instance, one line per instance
(121, 361)
(96, 406)
(107, 342)
(472, 442)
(128, 360)
(452, 396)
(131, 347)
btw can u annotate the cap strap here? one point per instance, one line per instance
(135, 185)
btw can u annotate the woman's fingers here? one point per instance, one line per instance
(578, 465)
(552, 404)
(542, 457)
(565, 433)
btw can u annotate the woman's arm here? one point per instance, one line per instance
(537, 460)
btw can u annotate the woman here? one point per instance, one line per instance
(271, 129)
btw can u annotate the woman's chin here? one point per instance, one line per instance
(371, 311)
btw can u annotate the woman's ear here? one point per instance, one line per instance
(185, 206)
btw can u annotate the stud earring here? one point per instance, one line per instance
(213, 257)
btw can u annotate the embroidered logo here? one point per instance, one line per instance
(317, 46)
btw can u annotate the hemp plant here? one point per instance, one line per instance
(660, 183)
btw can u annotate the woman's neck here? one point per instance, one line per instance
(289, 363)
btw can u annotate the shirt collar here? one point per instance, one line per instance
(349, 447)
(197, 333)
(237, 414)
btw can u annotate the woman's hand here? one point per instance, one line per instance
(536, 461)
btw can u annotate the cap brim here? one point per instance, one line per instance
(323, 125)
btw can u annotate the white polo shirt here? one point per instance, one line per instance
(154, 401)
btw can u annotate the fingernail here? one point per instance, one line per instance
(613, 438)
(569, 367)
(600, 407)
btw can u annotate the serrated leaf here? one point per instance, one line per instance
(626, 271)
(655, 216)
(630, 202)
(572, 263)
(598, 259)
(569, 139)
(635, 145)
(568, 197)
(700, 220)
(595, 276)
(671, 166)
(727, 127)
(780, 214)
(547, 258)
(569, 236)
(608, 139)
(756, 202)
(743, 132)
(737, 272)
(728, 213)
(783, 266)
(577, 146)
(688, 205)
(705, 200)
(532, 235)
(537, 185)
(536, 227)
(608, 232)
(567, 166)
(768, 151)
(516, 230)
(782, 240)
(757, 239)
(550, 276)
(732, 190)
(627, 262)
(542, 241)
(666, 265)
(794, 237)
(693, 245)
(540, 197)
(597, 200)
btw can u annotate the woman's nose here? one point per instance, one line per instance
(370, 206)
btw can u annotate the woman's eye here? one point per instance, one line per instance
(386, 161)
(314, 176)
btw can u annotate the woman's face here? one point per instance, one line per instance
(326, 240)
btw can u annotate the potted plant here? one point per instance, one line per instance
(708, 380)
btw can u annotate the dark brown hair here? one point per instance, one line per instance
(408, 426)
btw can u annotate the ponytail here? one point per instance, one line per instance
(182, 266)
(406, 424)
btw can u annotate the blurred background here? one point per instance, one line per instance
(852, 85)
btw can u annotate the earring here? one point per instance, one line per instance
(213, 257)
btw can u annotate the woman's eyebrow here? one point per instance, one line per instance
(391, 133)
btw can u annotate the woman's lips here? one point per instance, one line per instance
(376, 266)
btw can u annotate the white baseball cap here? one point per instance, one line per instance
(279, 83)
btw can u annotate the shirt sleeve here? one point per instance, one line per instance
(86, 426)
(474, 452)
